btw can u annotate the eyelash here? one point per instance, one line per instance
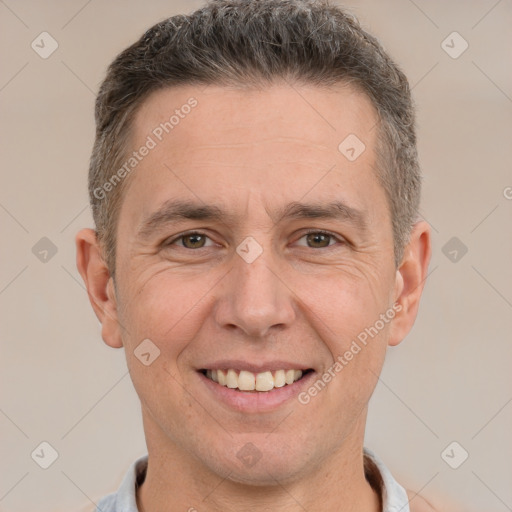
(311, 231)
(323, 232)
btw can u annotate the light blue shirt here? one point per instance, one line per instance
(394, 497)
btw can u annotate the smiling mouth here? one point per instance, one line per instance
(242, 380)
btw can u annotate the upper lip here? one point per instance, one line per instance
(239, 364)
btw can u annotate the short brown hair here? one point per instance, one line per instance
(240, 42)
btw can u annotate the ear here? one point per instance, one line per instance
(410, 280)
(99, 284)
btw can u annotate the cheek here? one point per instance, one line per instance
(166, 308)
(345, 309)
(161, 315)
(344, 301)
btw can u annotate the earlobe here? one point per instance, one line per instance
(410, 280)
(99, 284)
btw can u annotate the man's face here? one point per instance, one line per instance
(211, 301)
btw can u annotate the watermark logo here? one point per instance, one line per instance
(454, 249)
(44, 250)
(44, 455)
(343, 360)
(249, 455)
(147, 352)
(249, 249)
(44, 45)
(454, 45)
(157, 135)
(351, 147)
(454, 455)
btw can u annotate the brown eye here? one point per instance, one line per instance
(318, 240)
(193, 241)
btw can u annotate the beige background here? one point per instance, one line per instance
(449, 381)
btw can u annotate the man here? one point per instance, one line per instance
(255, 186)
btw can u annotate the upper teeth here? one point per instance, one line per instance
(248, 381)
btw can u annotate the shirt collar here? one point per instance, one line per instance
(393, 495)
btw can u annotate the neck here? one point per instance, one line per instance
(177, 481)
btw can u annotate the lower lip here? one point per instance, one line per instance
(257, 401)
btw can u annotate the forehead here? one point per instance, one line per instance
(248, 114)
(274, 142)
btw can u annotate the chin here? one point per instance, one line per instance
(260, 464)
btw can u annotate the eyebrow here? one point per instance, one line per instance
(177, 210)
(336, 210)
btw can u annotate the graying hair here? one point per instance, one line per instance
(256, 43)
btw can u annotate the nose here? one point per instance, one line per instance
(254, 299)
